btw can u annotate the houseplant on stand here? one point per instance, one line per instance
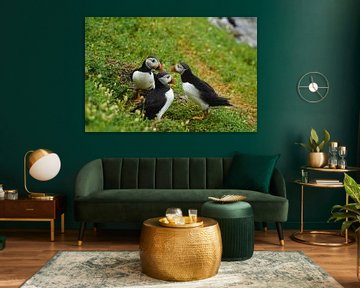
(350, 214)
(317, 157)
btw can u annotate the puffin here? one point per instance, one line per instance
(143, 77)
(198, 90)
(158, 100)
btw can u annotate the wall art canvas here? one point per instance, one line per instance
(170, 74)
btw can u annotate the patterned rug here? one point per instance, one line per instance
(80, 269)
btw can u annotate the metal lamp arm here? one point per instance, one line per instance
(25, 169)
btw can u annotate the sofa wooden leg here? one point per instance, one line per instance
(265, 227)
(280, 233)
(81, 233)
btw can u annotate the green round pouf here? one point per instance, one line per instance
(236, 221)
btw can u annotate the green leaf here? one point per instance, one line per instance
(305, 146)
(336, 216)
(314, 136)
(352, 207)
(312, 145)
(349, 214)
(326, 136)
(346, 225)
(321, 146)
(352, 188)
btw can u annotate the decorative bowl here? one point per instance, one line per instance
(188, 224)
(228, 198)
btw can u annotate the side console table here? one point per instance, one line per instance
(27, 209)
(297, 235)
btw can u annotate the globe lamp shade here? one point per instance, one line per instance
(43, 165)
(44, 168)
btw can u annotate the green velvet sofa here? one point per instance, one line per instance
(130, 190)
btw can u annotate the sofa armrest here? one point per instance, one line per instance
(277, 184)
(89, 179)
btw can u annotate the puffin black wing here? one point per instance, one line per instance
(154, 101)
(208, 94)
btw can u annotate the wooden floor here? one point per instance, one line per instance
(28, 250)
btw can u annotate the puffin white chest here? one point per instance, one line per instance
(143, 80)
(169, 95)
(194, 94)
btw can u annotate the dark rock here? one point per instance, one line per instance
(244, 29)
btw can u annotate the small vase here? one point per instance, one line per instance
(317, 159)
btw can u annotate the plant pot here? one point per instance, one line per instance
(317, 159)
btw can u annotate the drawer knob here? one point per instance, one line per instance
(29, 209)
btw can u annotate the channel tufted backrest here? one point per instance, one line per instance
(164, 173)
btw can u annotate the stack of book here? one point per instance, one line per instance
(327, 181)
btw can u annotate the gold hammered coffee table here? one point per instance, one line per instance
(180, 254)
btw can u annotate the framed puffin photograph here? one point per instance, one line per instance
(170, 74)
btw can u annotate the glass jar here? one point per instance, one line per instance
(174, 215)
(304, 176)
(2, 192)
(11, 194)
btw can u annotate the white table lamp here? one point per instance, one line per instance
(43, 165)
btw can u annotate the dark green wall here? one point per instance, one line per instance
(42, 88)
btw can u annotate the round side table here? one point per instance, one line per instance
(180, 254)
(310, 237)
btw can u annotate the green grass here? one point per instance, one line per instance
(116, 46)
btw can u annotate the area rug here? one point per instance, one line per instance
(80, 269)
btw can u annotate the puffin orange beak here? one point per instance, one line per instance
(172, 81)
(172, 68)
(161, 67)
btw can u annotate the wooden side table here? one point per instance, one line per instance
(27, 209)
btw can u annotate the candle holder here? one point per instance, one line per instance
(342, 153)
(333, 149)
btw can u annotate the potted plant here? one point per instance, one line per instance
(317, 157)
(350, 213)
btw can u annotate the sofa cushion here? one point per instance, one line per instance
(251, 172)
(164, 173)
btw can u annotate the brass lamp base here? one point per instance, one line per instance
(41, 196)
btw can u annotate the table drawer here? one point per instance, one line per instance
(28, 209)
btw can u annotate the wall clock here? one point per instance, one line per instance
(313, 87)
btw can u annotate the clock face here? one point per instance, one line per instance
(313, 87)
